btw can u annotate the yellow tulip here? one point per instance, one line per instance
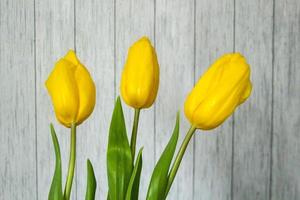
(72, 90)
(224, 86)
(140, 77)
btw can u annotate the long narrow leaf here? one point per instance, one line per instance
(91, 182)
(134, 183)
(55, 192)
(119, 159)
(159, 178)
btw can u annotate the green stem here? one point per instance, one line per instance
(179, 157)
(71, 168)
(134, 131)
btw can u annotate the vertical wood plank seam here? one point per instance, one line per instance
(194, 81)
(154, 106)
(272, 103)
(114, 55)
(232, 141)
(74, 18)
(115, 49)
(74, 25)
(35, 99)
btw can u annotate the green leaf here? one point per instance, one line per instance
(56, 185)
(134, 183)
(91, 182)
(159, 178)
(119, 158)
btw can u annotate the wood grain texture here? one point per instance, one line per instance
(213, 149)
(188, 35)
(175, 48)
(54, 37)
(135, 19)
(17, 101)
(95, 48)
(252, 121)
(286, 143)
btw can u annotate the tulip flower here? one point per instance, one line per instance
(223, 87)
(72, 90)
(140, 77)
(140, 80)
(73, 95)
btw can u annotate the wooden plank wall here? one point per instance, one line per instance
(18, 139)
(254, 155)
(213, 149)
(252, 122)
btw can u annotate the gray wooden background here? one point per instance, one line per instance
(254, 155)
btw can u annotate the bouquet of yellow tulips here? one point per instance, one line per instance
(221, 89)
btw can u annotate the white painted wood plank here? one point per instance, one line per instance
(213, 149)
(17, 101)
(175, 48)
(252, 121)
(95, 48)
(286, 143)
(54, 37)
(135, 19)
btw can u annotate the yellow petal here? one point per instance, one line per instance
(219, 91)
(62, 88)
(246, 93)
(71, 57)
(140, 77)
(87, 93)
(153, 93)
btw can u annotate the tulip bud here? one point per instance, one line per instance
(225, 85)
(140, 77)
(72, 90)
